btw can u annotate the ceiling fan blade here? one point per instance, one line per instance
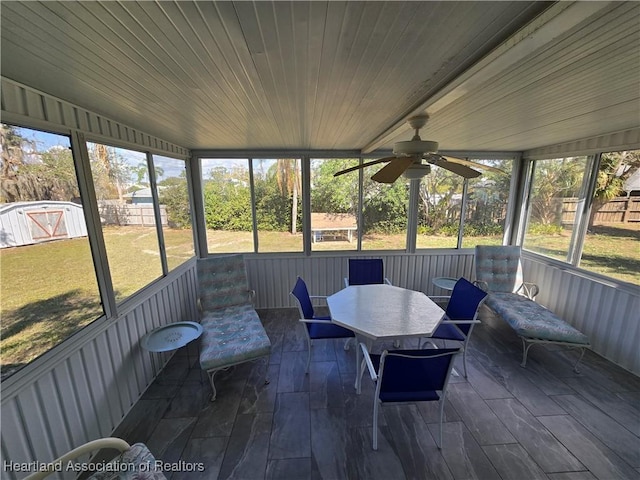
(358, 167)
(390, 173)
(469, 163)
(458, 169)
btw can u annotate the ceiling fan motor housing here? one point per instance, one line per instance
(411, 148)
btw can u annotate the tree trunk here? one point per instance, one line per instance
(294, 206)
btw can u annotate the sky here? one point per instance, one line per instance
(171, 167)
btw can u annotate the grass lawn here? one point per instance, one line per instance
(49, 291)
(609, 249)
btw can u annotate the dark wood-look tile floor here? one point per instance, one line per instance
(502, 422)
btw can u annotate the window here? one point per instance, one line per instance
(227, 205)
(334, 205)
(611, 245)
(175, 211)
(125, 204)
(486, 212)
(48, 284)
(385, 213)
(439, 209)
(555, 187)
(278, 197)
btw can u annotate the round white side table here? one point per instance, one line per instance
(171, 337)
(446, 283)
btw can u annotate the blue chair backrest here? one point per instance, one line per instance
(366, 271)
(408, 371)
(301, 292)
(465, 300)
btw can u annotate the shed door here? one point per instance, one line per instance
(47, 225)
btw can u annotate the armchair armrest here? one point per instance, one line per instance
(440, 297)
(106, 443)
(459, 322)
(314, 320)
(482, 285)
(367, 360)
(318, 299)
(387, 281)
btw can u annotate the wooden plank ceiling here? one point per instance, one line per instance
(336, 75)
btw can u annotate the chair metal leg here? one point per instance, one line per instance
(575, 366)
(376, 405)
(525, 350)
(464, 361)
(439, 445)
(308, 355)
(212, 374)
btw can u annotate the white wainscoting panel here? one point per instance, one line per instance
(273, 277)
(607, 314)
(84, 394)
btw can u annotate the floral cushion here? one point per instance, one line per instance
(222, 281)
(232, 335)
(137, 463)
(531, 320)
(499, 267)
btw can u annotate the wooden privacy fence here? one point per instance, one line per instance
(130, 214)
(618, 210)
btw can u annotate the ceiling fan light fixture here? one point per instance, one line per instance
(416, 171)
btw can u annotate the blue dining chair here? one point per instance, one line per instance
(409, 376)
(366, 271)
(461, 315)
(317, 327)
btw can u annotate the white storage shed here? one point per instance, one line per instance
(27, 223)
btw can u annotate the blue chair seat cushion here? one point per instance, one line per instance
(232, 335)
(322, 330)
(531, 320)
(447, 331)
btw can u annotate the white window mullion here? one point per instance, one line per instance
(94, 227)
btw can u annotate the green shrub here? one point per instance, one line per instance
(536, 228)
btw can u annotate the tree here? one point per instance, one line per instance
(13, 147)
(615, 169)
(274, 209)
(111, 173)
(334, 194)
(141, 171)
(30, 175)
(554, 179)
(437, 192)
(289, 180)
(227, 199)
(385, 206)
(175, 197)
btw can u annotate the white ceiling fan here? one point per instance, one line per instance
(409, 155)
